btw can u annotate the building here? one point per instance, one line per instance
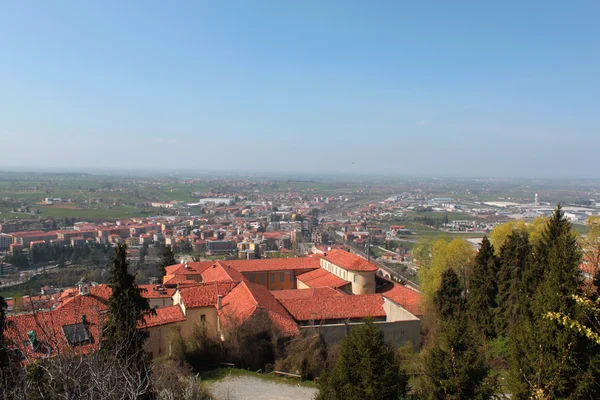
(5, 241)
(352, 268)
(220, 246)
(293, 294)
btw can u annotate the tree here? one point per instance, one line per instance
(126, 311)
(500, 234)
(4, 362)
(168, 258)
(515, 260)
(455, 367)
(143, 253)
(546, 359)
(456, 254)
(484, 289)
(366, 368)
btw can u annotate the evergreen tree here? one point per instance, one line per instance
(126, 310)
(367, 369)
(512, 299)
(455, 367)
(545, 358)
(168, 258)
(143, 253)
(4, 362)
(483, 289)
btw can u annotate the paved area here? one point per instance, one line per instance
(248, 388)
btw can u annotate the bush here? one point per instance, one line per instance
(172, 381)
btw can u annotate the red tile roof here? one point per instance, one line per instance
(247, 299)
(275, 264)
(163, 316)
(192, 268)
(219, 271)
(299, 294)
(349, 261)
(48, 327)
(406, 297)
(336, 307)
(173, 280)
(320, 277)
(205, 294)
(151, 292)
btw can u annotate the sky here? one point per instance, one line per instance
(457, 88)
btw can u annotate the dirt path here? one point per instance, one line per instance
(248, 388)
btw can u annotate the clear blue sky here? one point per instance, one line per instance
(465, 88)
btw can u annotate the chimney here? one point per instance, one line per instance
(84, 288)
(219, 302)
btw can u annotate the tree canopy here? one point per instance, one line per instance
(367, 368)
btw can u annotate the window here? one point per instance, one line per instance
(292, 276)
(76, 334)
(272, 277)
(281, 277)
(203, 318)
(355, 278)
(262, 279)
(252, 278)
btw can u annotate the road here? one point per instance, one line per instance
(249, 388)
(30, 274)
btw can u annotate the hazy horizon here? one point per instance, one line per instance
(388, 89)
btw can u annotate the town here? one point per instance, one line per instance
(264, 253)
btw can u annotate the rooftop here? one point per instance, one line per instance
(349, 261)
(320, 278)
(336, 307)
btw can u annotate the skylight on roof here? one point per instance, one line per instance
(76, 334)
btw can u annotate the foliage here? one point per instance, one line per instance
(512, 298)
(546, 359)
(305, 354)
(456, 254)
(483, 289)
(499, 235)
(173, 381)
(455, 367)
(366, 368)
(168, 258)
(127, 309)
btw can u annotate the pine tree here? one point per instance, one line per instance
(455, 367)
(168, 259)
(4, 361)
(367, 369)
(544, 357)
(126, 310)
(483, 289)
(512, 299)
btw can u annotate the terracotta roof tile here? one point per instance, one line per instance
(219, 271)
(248, 298)
(163, 316)
(205, 294)
(300, 294)
(151, 292)
(48, 327)
(320, 277)
(406, 297)
(349, 261)
(336, 307)
(275, 264)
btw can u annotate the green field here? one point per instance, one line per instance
(425, 231)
